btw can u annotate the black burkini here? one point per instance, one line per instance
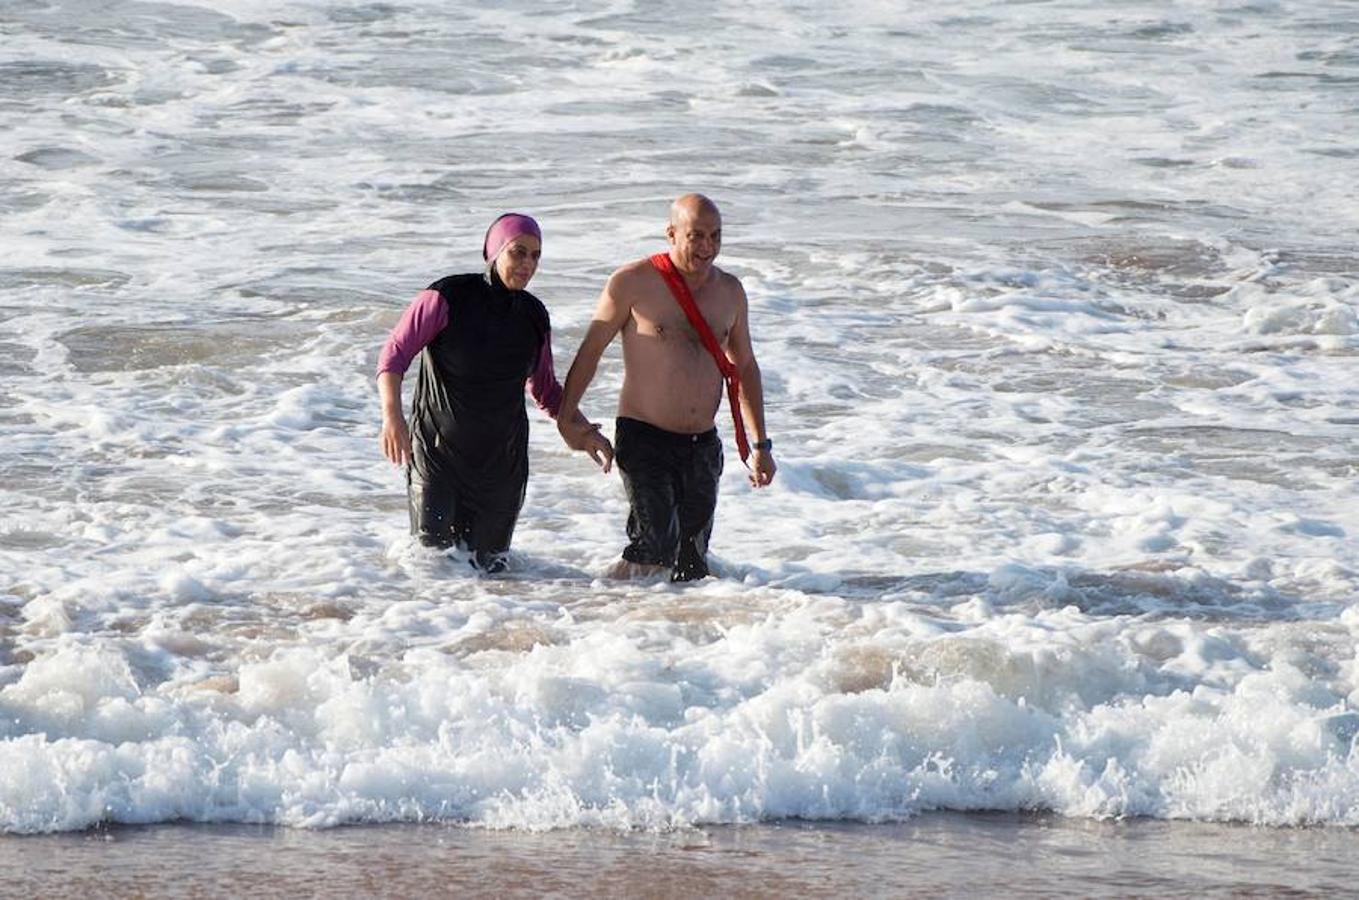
(469, 431)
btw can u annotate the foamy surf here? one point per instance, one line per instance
(1060, 372)
(668, 707)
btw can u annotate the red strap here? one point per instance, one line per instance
(662, 264)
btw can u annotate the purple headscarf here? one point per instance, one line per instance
(505, 229)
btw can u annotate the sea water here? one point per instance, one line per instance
(1058, 312)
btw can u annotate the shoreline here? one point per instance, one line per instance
(935, 854)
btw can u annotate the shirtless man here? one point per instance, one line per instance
(667, 447)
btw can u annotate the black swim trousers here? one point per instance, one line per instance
(671, 481)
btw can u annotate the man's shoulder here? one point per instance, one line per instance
(634, 269)
(634, 276)
(729, 283)
(727, 279)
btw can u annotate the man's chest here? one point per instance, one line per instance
(660, 316)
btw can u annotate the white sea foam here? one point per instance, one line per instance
(1058, 340)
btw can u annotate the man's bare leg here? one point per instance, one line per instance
(633, 571)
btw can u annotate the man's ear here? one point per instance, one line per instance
(670, 233)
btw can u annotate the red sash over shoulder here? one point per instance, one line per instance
(662, 264)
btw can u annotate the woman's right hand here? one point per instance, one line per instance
(396, 439)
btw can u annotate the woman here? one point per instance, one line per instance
(484, 339)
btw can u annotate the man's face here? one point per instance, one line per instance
(518, 261)
(696, 238)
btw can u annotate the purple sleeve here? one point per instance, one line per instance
(543, 384)
(424, 318)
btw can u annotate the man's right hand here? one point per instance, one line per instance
(396, 439)
(586, 436)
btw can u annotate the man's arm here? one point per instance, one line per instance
(742, 353)
(611, 314)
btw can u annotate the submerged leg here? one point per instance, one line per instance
(697, 506)
(434, 512)
(653, 522)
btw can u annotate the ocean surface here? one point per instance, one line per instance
(1057, 305)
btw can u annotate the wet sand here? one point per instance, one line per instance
(935, 855)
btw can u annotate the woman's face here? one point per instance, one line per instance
(518, 261)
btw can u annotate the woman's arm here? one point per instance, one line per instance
(424, 318)
(396, 436)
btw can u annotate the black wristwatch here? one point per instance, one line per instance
(765, 445)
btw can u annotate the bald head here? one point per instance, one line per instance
(691, 206)
(695, 233)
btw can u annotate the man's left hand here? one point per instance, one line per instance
(762, 467)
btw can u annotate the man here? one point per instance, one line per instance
(667, 447)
